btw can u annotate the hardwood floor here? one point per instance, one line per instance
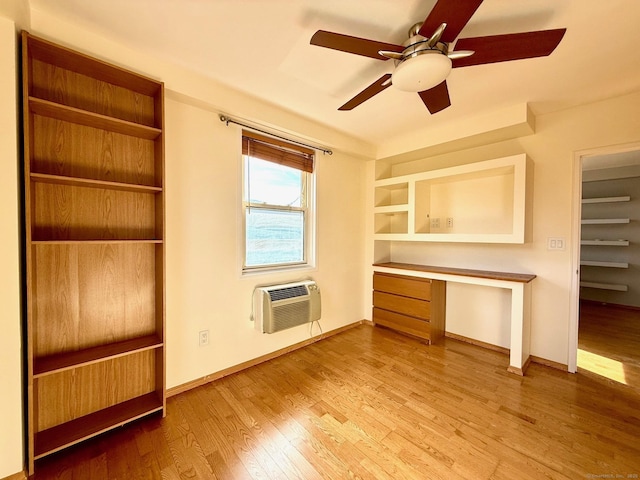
(609, 343)
(372, 404)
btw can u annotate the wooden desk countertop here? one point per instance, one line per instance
(465, 272)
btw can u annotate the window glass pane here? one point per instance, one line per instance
(272, 184)
(274, 236)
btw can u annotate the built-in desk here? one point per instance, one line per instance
(518, 283)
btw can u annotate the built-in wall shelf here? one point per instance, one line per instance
(625, 198)
(589, 263)
(481, 202)
(603, 221)
(608, 243)
(605, 286)
(609, 221)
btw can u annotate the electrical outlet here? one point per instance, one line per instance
(435, 223)
(449, 222)
(203, 338)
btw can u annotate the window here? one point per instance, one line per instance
(277, 203)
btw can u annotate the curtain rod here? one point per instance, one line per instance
(227, 120)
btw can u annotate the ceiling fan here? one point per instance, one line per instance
(424, 61)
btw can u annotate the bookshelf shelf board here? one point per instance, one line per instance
(69, 433)
(79, 358)
(90, 183)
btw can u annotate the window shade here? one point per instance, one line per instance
(277, 151)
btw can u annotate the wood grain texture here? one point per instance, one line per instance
(70, 394)
(95, 120)
(63, 212)
(507, 276)
(72, 150)
(43, 50)
(609, 342)
(407, 306)
(402, 323)
(94, 210)
(372, 404)
(53, 83)
(403, 285)
(69, 433)
(77, 358)
(91, 295)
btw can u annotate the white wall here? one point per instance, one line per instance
(11, 443)
(552, 148)
(205, 289)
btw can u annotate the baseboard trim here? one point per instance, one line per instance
(520, 371)
(477, 343)
(283, 351)
(612, 305)
(496, 348)
(17, 476)
(549, 363)
(256, 361)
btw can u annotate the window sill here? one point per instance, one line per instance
(275, 270)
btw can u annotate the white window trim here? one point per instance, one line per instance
(309, 226)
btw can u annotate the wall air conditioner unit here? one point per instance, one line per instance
(279, 307)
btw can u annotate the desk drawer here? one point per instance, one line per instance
(402, 323)
(407, 306)
(402, 285)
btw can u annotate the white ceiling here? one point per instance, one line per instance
(262, 47)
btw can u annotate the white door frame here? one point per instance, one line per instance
(576, 212)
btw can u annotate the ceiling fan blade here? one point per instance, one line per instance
(456, 14)
(356, 45)
(436, 98)
(513, 46)
(373, 89)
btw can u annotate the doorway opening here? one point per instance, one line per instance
(607, 294)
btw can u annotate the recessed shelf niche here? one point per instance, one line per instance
(482, 202)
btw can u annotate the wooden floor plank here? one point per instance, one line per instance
(371, 404)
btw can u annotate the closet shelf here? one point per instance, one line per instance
(610, 243)
(605, 286)
(90, 119)
(603, 221)
(625, 198)
(589, 263)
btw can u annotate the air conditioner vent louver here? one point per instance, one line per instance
(279, 307)
(289, 292)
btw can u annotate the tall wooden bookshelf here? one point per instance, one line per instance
(94, 222)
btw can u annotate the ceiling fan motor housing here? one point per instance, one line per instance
(422, 66)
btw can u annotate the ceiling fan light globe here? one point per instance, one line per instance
(421, 72)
